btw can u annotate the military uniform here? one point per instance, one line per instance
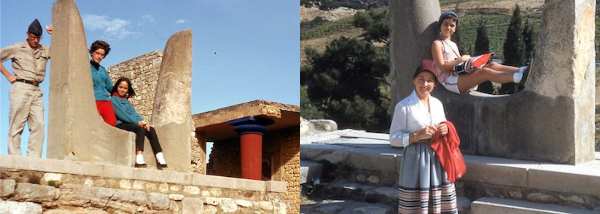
(29, 67)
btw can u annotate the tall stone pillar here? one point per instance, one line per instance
(171, 114)
(251, 130)
(75, 129)
(412, 30)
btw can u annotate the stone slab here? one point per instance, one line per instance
(561, 178)
(488, 205)
(495, 170)
(75, 129)
(192, 206)
(368, 135)
(12, 207)
(122, 172)
(309, 170)
(213, 123)
(579, 179)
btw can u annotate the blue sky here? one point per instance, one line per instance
(242, 50)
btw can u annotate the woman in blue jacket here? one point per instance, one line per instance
(128, 119)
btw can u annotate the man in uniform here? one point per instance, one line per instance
(29, 67)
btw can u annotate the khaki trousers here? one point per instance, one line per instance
(26, 106)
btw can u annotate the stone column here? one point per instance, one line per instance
(251, 130)
(171, 114)
(75, 129)
(413, 27)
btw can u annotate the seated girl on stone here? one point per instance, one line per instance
(446, 57)
(128, 119)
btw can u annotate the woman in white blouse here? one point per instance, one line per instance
(423, 183)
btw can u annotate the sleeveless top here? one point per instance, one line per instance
(450, 52)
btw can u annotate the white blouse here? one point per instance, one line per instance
(411, 116)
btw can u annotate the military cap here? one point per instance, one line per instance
(35, 28)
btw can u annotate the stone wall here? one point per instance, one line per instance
(281, 146)
(289, 139)
(143, 72)
(33, 185)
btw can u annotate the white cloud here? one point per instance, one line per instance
(180, 21)
(113, 28)
(146, 19)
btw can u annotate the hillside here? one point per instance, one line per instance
(496, 13)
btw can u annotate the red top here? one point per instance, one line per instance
(446, 147)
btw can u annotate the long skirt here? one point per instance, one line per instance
(424, 185)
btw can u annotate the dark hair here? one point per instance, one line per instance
(130, 91)
(448, 15)
(99, 44)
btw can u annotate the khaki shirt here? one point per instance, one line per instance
(27, 63)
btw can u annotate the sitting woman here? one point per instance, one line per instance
(446, 56)
(128, 119)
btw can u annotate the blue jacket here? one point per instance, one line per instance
(102, 83)
(125, 111)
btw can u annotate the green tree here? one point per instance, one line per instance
(344, 82)
(528, 40)
(482, 43)
(514, 48)
(375, 24)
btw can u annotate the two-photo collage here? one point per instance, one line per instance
(299, 107)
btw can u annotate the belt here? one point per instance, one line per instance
(34, 83)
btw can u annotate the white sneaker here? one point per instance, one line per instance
(161, 160)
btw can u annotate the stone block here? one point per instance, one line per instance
(171, 113)
(159, 201)
(244, 203)
(500, 206)
(12, 207)
(76, 131)
(36, 193)
(192, 206)
(7, 187)
(494, 171)
(565, 180)
(309, 171)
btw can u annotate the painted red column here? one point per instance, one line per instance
(251, 130)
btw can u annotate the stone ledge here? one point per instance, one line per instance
(112, 171)
(487, 205)
(572, 179)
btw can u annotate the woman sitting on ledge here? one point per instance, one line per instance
(446, 56)
(128, 119)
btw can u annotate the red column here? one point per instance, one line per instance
(251, 130)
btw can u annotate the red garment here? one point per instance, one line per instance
(446, 147)
(107, 112)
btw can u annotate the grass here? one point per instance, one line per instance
(327, 28)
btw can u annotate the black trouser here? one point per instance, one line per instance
(139, 136)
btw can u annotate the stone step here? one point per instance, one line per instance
(309, 171)
(366, 193)
(345, 207)
(487, 205)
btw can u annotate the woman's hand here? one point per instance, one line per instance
(131, 101)
(144, 125)
(442, 128)
(427, 132)
(465, 58)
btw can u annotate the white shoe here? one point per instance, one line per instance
(161, 160)
(139, 161)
